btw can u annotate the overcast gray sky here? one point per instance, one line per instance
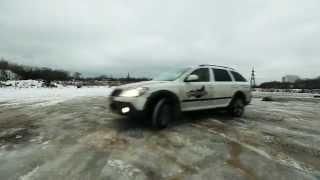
(144, 37)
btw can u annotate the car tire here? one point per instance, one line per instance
(163, 114)
(237, 107)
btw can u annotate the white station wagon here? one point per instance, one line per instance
(188, 89)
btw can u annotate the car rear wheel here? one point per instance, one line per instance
(237, 107)
(163, 114)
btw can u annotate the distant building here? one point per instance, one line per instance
(290, 78)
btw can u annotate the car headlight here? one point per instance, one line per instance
(134, 92)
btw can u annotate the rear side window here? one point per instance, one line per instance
(238, 77)
(221, 75)
(203, 74)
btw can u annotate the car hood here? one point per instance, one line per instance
(141, 84)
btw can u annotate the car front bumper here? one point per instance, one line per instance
(126, 106)
(122, 108)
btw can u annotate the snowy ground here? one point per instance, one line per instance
(283, 95)
(78, 138)
(47, 96)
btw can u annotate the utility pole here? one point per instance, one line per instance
(253, 79)
(128, 77)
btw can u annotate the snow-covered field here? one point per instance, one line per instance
(44, 131)
(81, 139)
(258, 94)
(47, 96)
(31, 92)
(26, 84)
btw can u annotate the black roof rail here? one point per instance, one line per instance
(217, 66)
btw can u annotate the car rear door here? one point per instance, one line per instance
(222, 87)
(197, 94)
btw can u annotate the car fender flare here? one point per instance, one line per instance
(156, 96)
(238, 94)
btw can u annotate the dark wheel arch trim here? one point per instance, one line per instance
(158, 95)
(240, 95)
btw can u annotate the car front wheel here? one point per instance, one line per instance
(163, 114)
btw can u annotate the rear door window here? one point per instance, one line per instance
(238, 77)
(221, 75)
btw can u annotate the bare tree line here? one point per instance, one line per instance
(47, 74)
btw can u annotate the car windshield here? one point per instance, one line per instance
(170, 75)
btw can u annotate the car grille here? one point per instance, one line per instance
(116, 92)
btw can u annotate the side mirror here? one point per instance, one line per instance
(192, 78)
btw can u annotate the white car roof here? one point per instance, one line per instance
(214, 66)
